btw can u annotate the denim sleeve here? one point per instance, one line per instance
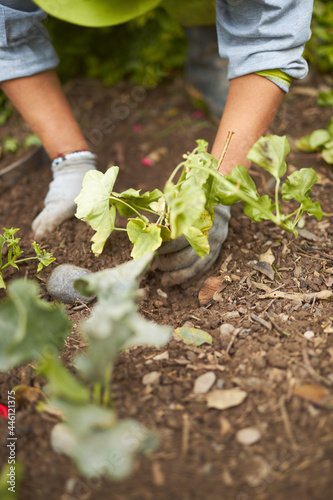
(25, 47)
(257, 35)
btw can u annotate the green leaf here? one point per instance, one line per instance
(298, 184)
(193, 336)
(312, 208)
(325, 98)
(303, 144)
(10, 144)
(257, 215)
(97, 13)
(185, 207)
(318, 138)
(101, 446)
(93, 205)
(32, 140)
(327, 154)
(45, 258)
(145, 238)
(136, 200)
(241, 183)
(60, 382)
(270, 153)
(197, 234)
(29, 325)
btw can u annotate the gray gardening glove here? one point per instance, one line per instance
(68, 173)
(178, 260)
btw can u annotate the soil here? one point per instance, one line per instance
(201, 455)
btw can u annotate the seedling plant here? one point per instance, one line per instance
(186, 205)
(10, 251)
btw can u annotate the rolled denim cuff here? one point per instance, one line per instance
(25, 46)
(259, 35)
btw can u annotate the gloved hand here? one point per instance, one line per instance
(68, 173)
(178, 260)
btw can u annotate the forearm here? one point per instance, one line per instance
(43, 105)
(251, 105)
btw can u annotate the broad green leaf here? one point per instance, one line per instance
(145, 238)
(312, 208)
(330, 127)
(32, 140)
(197, 234)
(96, 13)
(318, 138)
(165, 232)
(10, 145)
(93, 205)
(327, 154)
(303, 144)
(61, 383)
(136, 200)
(298, 184)
(185, 207)
(270, 153)
(193, 336)
(29, 326)
(257, 215)
(241, 183)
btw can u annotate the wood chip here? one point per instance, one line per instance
(316, 394)
(304, 297)
(267, 257)
(151, 378)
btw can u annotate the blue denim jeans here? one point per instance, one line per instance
(257, 35)
(25, 47)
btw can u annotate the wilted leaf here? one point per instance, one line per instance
(212, 285)
(267, 257)
(227, 398)
(193, 336)
(298, 184)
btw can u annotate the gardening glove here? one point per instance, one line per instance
(68, 173)
(179, 262)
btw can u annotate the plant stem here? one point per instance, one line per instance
(277, 205)
(128, 206)
(225, 148)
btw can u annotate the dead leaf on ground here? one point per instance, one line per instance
(212, 285)
(267, 257)
(204, 383)
(221, 399)
(305, 297)
(193, 336)
(316, 394)
(264, 268)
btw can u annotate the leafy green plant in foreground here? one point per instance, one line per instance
(32, 329)
(9, 242)
(186, 207)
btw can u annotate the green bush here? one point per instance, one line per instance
(319, 50)
(151, 44)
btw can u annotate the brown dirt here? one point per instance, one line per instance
(199, 454)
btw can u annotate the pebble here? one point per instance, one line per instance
(309, 334)
(248, 436)
(226, 328)
(151, 378)
(60, 284)
(204, 383)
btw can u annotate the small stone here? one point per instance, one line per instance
(248, 436)
(60, 284)
(226, 328)
(151, 378)
(204, 383)
(309, 334)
